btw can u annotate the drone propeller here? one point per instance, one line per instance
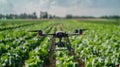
(60, 33)
(40, 33)
(80, 31)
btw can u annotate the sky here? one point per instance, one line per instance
(62, 7)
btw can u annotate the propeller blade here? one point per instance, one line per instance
(83, 29)
(35, 30)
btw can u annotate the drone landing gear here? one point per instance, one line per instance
(52, 50)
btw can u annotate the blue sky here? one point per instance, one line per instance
(62, 7)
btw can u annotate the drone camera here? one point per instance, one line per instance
(40, 33)
(60, 34)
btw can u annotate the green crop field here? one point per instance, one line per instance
(99, 46)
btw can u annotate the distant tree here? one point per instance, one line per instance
(46, 15)
(23, 16)
(34, 15)
(50, 17)
(54, 16)
(43, 15)
(10, 16)
(20, 16)
(117, 19)
(29, 16)
(69, 16)
(111, 17)
(1, 16)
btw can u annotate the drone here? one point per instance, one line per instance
(61, 43)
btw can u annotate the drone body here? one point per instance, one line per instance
(66, 43)
(60, 35)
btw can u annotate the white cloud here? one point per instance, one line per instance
(3, 1)
(61, 7)
(5, 7)
(92, 11)
(57, 10)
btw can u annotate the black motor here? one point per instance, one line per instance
(60, 44)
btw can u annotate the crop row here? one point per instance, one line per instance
(15, 54)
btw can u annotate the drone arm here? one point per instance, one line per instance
(46, 34)
(74, 34)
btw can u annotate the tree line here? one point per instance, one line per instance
(69, 16)
(45, 15)
(19, 16)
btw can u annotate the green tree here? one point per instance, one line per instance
(43, 15)
(69, 16)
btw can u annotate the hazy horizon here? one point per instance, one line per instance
(62, 7)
